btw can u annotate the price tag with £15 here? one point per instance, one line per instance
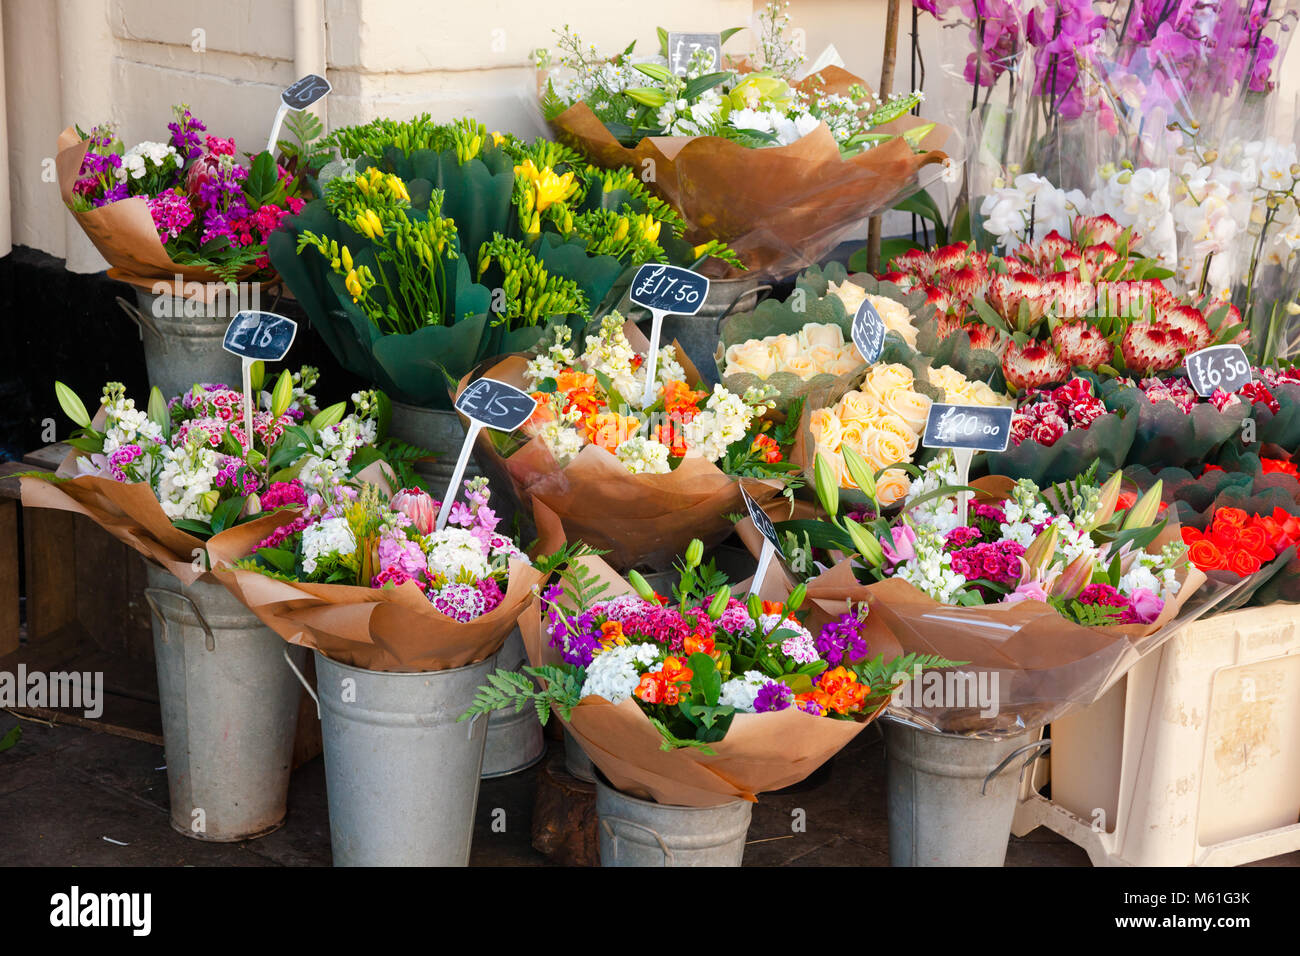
(487, 403)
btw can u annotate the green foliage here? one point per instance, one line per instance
(11, 737)
(401, 459)
(561, 691)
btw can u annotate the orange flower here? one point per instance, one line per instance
(664, 686)
(543, 413)
(1232, 517)
(680, 398)
(612, 633)
(570, 380)
(609, 429)
(1206, 555)
(674, 438)
(838, 690)
(773, 607)
(766, 446)
(583, 400)
(698, 644)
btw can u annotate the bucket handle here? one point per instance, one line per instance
(302, 680)
(210, 642)
(1035, 750)
(142, 321)
(663, 847)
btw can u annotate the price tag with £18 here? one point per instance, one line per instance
(487, 403)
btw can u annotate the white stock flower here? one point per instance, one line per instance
(613, 675)
(454, 552)
(326, 538)
(739, 692)
(641, 455)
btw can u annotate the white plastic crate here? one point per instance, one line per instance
(1192, 759)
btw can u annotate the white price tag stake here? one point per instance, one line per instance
(962, 458)
(770, 540)
(664, 290)
(487, 403)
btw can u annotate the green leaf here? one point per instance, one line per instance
(224, 515)
(92, 445)
(923, 205)
(702, 84)
(728, 33)
(988, 314)
(192, 526)
(705, 680)
(71, 405)
(10, 738)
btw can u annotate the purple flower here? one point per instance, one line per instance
(841, 640)
(809, 707)
(773, 696)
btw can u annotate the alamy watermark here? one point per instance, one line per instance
(55, 690)
(76, 909)
(198, 299)
(958, 689)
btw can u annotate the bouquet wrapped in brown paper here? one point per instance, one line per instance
(371, 581)
(700, 698)
(1050, 596)
(186, 210)
(635, 480)
(779, 165)
(175, 478)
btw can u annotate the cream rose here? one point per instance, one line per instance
(896, 425)
(800, 365)
(882, 448)
(826, 429)
(753, 356)
(981, 394)
(912, 407)
(892, 486)
(821, 356)
(843, 366)
(950, 380)
(857, 406)
(884, 379)
(821, 334)
(848, 293)
(851, 432)
(783, 347)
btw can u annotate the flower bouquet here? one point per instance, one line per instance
(637, 481)
(779, 168)
(1229, 544)
(882, 421)
(369, 580)
(803, 347)
(187, 207)
(171, 479)
(1050, 594)
(697, 698)
(435, 247)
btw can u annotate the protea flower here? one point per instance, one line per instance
(901, 279)
(1188, 320)
(1079, 343)
(986, 337)
(1007, 292)
(1033, 364)
(1090, 230)
(938, 298)
(418, 506)
(947, 325)
(967, 283)
(1049, 249)
(1100, 256)
(1149, 348)
(914, 262)
(1070, 296)
(954, 256)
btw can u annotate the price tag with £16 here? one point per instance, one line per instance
(487, 403)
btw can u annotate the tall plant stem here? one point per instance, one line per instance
(886, 87)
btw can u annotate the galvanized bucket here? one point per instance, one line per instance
(698, 334)
(642, 833)
(514, 740)
(951, 798)
(402, 774)
(180, 346)
(576, 761)
(438, 431)
(229, 710)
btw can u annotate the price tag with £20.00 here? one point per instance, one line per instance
(968, 427)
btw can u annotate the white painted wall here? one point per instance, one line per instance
(127, 61)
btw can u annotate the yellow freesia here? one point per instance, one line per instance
(353, 285)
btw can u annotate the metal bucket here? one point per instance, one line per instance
(438, 431)
(951, 798)
(229, 710)
(576, 761)
(402, 774)
(641, 833)
(514, 740)
(180, 347)
(698, 334)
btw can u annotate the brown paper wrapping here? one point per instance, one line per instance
(638, 519)
(378, 629)
(781, 208)
(124, 232)
(1046, 666)
(760, 751)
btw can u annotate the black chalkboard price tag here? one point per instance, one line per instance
(868, 331)
(496, 404)
(671, 290)
(968, 427)
(771, 543)
(487, 403)
(664, 290)
(261, 336)
(303, 93)
(1218, 367)
(683, 46)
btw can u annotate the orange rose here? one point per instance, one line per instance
(1205, 555)
(1243, 563)
(1232, 517)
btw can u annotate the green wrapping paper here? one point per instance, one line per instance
(1168, 436)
